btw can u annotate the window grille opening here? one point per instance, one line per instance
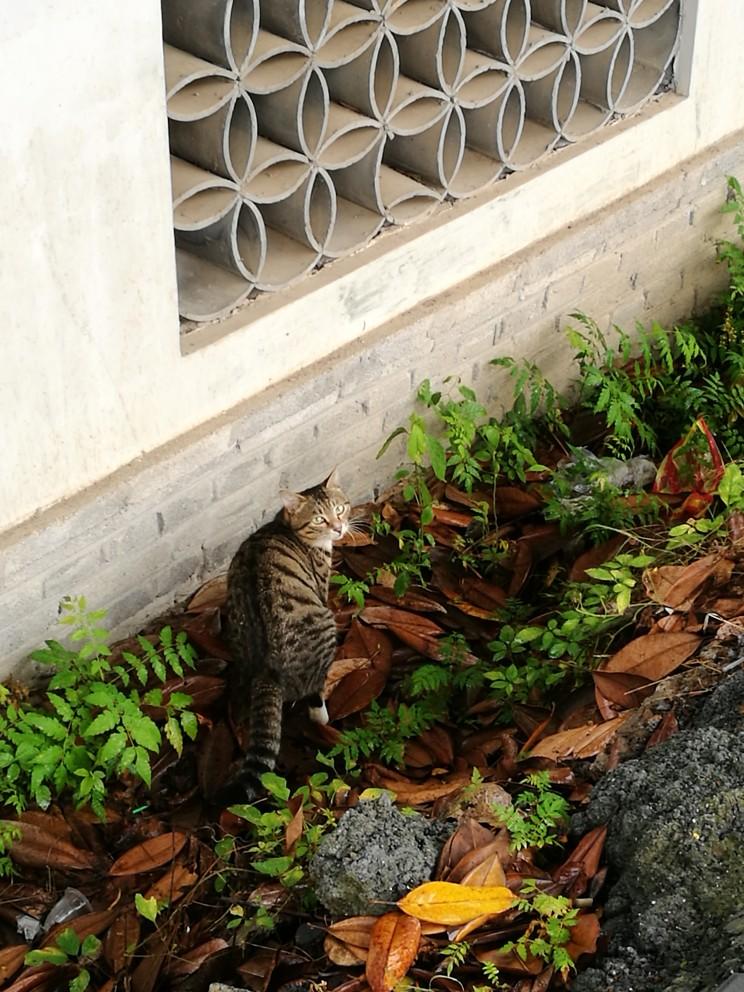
(299, 129)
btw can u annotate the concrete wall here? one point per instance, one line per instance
(151, 531)
(93, 374)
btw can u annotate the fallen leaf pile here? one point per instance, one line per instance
(157, 850)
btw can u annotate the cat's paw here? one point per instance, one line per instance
(319, 714)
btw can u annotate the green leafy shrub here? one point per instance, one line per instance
(547, 935)
(69, 949)
(91, 725)
(535, 814)
(266, 848)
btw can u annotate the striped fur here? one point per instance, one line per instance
(282, 634)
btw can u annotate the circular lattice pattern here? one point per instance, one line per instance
(299, 128)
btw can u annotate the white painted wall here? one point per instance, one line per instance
(92, 374)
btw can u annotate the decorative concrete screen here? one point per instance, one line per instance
(299, 128)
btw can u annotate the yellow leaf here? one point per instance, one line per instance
(453, 904)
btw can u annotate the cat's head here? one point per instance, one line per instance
(318, 515)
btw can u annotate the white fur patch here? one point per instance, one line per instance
(319, 714)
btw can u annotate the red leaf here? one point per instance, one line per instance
(694, 464)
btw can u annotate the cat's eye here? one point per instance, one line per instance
(339, 509)
(319, 520)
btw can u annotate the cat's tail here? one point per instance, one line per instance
(264, 738)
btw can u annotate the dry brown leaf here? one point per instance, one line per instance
(11, 959)
(414, 630)
(122, 939)
(190, 961)
(416, 793)
(586, 855)
(595, 557)
(354, 930)
(624, 689)
(521, 566)
(340, 668)
(677, 586)
(480, 867)
(212, 594)
(205, 630)
(654, 656)
(294, 828)
(145, 974)
(173, 885)
(469, 835)
(579, 742)
(449, 903)
(149, 855)
(48, 822)
(356, 690)
(735, 527)
(664, 731)
(39, 848)
(511, 962)
(412, 599)
(84, 926)
(473, 596)
(343, 954)
(393, 947)
(257, 970)
(511, 502)
(43, 978)
(584, 936)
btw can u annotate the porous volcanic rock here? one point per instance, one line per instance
(374, 856)
(675, 914)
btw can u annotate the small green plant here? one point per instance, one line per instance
(546, 937)
(614, 583)
(9, 834)
(92, 726)
(454, 954)
(412, 564)
(536, 814)
(493, 974)
(696, 532)
(353, 590)
(69, 949)
(385, 731)
(267, 847)
(148, 908)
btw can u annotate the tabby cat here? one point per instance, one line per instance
(282, 634)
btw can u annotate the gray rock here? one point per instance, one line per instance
(374, 856)
(675, 918)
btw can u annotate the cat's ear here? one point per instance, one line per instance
(292, 501)
(333, 482)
